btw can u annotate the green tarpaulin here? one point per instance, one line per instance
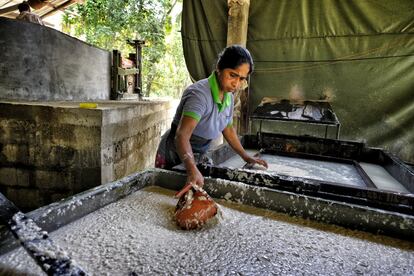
(357, 53)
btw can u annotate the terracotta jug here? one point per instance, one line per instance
(194, 209)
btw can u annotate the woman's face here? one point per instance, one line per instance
(231, 79)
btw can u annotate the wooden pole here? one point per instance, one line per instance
(237, 34)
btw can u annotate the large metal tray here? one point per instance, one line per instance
(330, 211)
(321, 149)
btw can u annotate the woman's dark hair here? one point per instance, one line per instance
(23, 7)
(234, 56)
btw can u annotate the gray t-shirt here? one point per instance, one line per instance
(197, 102)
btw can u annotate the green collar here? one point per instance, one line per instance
(212, 80)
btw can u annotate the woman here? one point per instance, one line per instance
(205, 111)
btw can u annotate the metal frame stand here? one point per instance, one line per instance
(119, 75)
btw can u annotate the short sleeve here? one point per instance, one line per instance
(194, 105)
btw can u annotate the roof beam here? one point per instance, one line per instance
(60, 7)
(8, 9)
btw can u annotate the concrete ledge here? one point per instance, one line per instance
(50, 150)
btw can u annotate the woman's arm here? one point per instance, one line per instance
(231, 137)
(184, 150)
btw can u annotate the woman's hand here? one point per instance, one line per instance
(194, 178)
(231, 137)
(255, 160)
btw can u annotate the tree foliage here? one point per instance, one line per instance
(109, 23)
(172, 76)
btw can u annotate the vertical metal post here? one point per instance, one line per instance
(115, 77)
(338, 127)
(138, 63)
(138, 83)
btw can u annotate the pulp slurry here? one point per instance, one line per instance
(382, 179)
(137, 234)
(322, 170)
(305, 168)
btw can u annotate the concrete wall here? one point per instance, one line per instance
(130, 136)
(40, 63)
(51, 150)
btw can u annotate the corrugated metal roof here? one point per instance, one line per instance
(8, 8)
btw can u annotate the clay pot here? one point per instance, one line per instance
(194, 209)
